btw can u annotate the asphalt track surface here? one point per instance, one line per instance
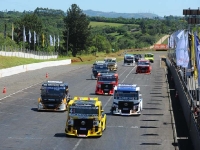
(23, 128)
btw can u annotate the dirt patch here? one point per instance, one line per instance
(82, 59)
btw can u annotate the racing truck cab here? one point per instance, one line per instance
(54, 96)
(106, 83)
(137, 57)
(85, 117)
(129, 60)
(127, 100)
(112, 63)
(143, 66)
(149, 56)
(99, 67)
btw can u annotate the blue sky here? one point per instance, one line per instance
(159, 7)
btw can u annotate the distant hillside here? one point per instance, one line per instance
(93, 13)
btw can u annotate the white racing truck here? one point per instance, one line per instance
(127, 100)
(129, 60)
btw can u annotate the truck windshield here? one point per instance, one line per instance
(52, 90)
(84, 110)
(143, 63)
(107, 79)
(99, 67)
(110, 60)
(149, 55)
(129, 57)
(126, 95)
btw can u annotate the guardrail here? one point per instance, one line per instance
(187, 103)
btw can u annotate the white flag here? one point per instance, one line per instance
(58, 41)
(35, 37)
(54, 41)
(29, 34)
(182, 56)
(51, 40)
(171, 41)
(24, 34)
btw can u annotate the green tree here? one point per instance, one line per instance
(101, 44)
(77, 30)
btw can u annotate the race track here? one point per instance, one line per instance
(23, 128)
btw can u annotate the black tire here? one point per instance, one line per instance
(105, 126)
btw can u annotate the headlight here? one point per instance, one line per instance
(70, 122)
(95, 123)
(40, 105)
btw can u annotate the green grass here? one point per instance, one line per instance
(7, 62)
(94, 24)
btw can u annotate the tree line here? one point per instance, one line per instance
(77, 36)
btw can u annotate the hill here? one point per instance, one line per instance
(93, 13)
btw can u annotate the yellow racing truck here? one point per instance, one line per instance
(149, 56)
(112, 63)
(85, 117)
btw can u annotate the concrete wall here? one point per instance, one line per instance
(24, 68)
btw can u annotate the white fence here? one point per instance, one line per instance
(30, 54)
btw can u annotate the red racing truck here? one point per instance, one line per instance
(143, 66)
(106, 83)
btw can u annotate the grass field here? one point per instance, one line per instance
(7, 62)
(94, 24)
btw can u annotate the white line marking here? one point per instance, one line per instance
(128, 74)
(27, 88)
(77, 144)
(123, 72)
(132, 127)
(20, 91)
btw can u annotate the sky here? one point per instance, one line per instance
(159, 7)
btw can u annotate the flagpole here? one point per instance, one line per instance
(12, 31)
(23, 40)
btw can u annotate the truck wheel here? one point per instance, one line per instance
(105, 126)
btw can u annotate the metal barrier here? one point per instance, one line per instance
(187, 103)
